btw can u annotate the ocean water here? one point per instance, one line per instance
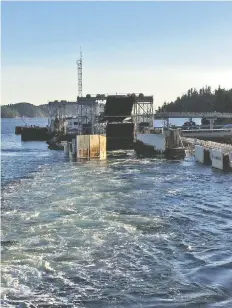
(117, 233)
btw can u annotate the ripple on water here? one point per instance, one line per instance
(126, 232)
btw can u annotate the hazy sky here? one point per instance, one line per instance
(159, 48)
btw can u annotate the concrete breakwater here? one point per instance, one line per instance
(218, 155)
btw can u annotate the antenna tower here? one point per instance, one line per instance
(79, 74)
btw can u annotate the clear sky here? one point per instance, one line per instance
(159, 48)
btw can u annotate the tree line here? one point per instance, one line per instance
(204, 100)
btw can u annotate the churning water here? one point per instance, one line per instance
(117, 233)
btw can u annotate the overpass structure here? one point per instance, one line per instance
(207, 115)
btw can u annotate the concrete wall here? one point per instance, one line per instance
(83, 146)
(94, 146)
(91, 146)
(155, 140)
(103, 147)
(217, 159)
(173, 138)
(70, 149)
(65, 145)
(230, 159)
(214, 157)
(66, 149)
(199, 153)
(74, 146)
(210, 154)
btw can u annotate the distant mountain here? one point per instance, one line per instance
(31, 111)
(24, 110)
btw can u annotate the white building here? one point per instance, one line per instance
(71, 125)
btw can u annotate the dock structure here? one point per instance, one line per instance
(126, 122)
(150, 142)
(110, 118)
(218, 155)
(118, 123)
(89, 141)
(57, 111)
(209, 116)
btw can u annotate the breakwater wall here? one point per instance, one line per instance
(217, 155)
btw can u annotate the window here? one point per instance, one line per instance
(75, 123)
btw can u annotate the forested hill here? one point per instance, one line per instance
(204, 100)
(24, 110)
